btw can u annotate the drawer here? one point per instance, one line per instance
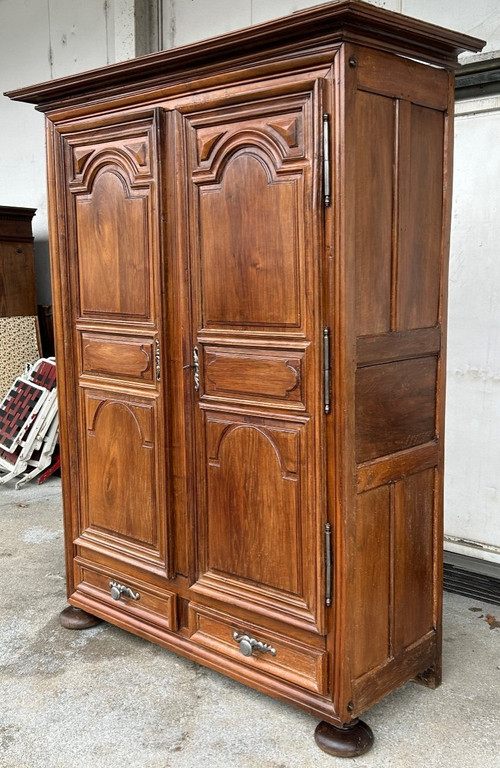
(129, 596)
(279, 655)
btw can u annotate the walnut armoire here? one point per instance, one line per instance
(249, 243)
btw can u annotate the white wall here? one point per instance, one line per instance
(40, 39)
(473, 408)
(472, 478)
(189, 20)
(472, 493)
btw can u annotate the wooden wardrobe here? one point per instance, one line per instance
(249, 241)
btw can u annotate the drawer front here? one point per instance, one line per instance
(130, 596)
(278, 655)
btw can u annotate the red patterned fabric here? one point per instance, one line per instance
(18, 411)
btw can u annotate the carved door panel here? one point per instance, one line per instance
(113, 268)
(254, 244)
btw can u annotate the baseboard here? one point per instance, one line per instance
(472, 577)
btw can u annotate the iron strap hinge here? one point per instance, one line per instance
(328, 564)
(326, 370)
(326, 161)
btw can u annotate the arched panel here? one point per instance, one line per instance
(250, 245)
(113, 249)
(254, 143)
(118, 404)
(121, 481)
(108, 158)
(253, 511)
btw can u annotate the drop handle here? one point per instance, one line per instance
(117, 590)
(249, 644)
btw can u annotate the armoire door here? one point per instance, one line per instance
(254, 244)
(116, 420)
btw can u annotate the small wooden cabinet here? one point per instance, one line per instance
(17, 262)
(249, 241)
(19, 337)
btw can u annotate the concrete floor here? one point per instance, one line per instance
(106, 699)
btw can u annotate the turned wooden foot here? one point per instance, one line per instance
(352, 740)
(76, 618)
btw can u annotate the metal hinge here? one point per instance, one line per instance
(328, 564)
(326, 370)
(326, 161)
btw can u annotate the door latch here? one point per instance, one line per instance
(195, 365)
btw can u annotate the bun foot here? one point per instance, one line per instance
(75, 618)
(352, 740)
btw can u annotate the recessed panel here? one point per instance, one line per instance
(370, 603)
(414, 557)
(374, 158)
(121, 506)
(122, 357)
(421, 214)
(250, 374)
(250, 245)
(395, 406)
(254, 506)
(113, 259)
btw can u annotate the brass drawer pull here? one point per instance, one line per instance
(248, 645)
(117, 590)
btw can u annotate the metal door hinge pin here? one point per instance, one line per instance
(326, 161)
(326, 370)
(328, 564)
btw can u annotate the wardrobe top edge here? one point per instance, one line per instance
(333, 23)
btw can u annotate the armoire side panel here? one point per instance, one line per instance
(401, 137)
(395, 406)
(414, 558)
(420, 238)
(394, 570)
(370, 607)
(375, 127)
